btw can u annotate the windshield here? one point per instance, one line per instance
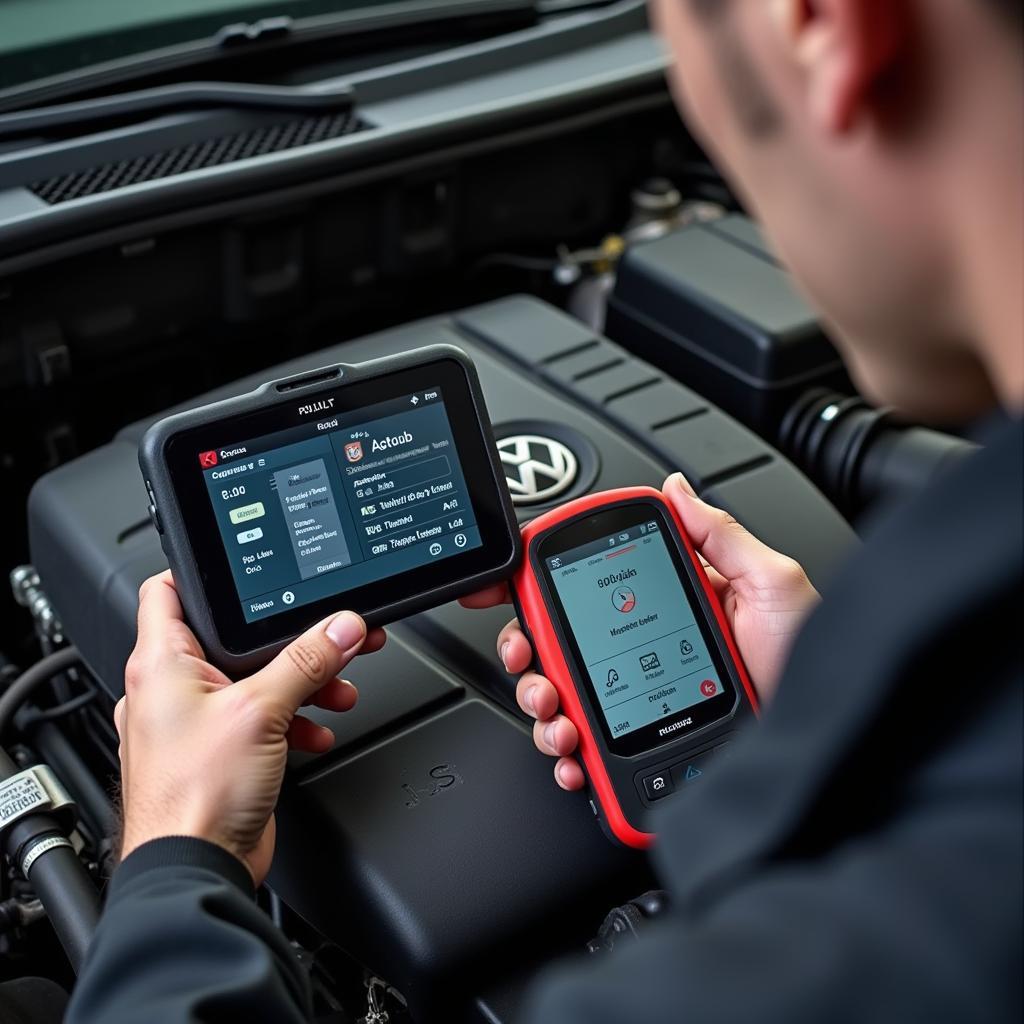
(41, 38)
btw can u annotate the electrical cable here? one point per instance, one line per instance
(276, 911)
(18, 692)
(33, 715)
(516, 261)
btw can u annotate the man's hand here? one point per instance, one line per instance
(202, 756)
(765, 595)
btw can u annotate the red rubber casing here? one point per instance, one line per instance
(536, 617)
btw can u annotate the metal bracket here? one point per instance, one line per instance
(31, 791)
(29, 593)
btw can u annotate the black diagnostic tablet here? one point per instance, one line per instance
(375, 487)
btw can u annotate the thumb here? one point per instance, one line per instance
(727, 546)
(310, 660)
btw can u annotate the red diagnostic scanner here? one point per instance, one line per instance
(625, 623)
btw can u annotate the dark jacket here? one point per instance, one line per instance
(858, 859)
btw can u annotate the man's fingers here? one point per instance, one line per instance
(335, 695)
(310, 660)
(489, 598)
(308, 737)
(537, 696)
(569, 774)
(340, 694)
(158, 602)
(719, 584)
(161, 621)
(514, 649)
(728, 547)
(375, 640)
(556, 737)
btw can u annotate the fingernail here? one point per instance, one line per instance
(528, 699)
(560, 772)
(549, 734)
(684, 485)
(346, 630)
(503, 653)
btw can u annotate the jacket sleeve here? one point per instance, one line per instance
(182, 939)
(916, 919)
(899, 932)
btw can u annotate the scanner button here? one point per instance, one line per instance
(658, 785)
(154, 516)
(692, 769)
(244, 513)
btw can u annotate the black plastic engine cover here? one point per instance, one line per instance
(446, 854)
(433, 838)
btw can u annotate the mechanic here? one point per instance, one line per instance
(860, 856)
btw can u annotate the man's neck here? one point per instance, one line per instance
(986, 200)
(995, 281)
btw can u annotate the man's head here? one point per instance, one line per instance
(879, 142)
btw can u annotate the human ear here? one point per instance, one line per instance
(843, 49)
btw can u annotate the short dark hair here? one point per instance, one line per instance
(755, 110)
(753, 106)
(1011, 10)
(708, 9)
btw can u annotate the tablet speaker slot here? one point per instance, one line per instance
(311, 378)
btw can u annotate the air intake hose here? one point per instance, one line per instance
(859, 455)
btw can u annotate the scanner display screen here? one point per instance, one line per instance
(340, 501)
(635, 628)
(643, 644)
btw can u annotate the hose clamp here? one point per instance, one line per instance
(37, 849)
(32, 791)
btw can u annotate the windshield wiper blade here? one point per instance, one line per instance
(206, 55)
(186, 95)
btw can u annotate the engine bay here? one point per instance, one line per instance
(527, 194)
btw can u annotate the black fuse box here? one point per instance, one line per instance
(712, 306)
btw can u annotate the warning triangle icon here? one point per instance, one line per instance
(692, 773)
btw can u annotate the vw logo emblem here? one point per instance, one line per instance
(537, 469)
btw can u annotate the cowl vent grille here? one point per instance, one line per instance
(223, 149)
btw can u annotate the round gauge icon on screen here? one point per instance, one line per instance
(709, 688)
(624, 599)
